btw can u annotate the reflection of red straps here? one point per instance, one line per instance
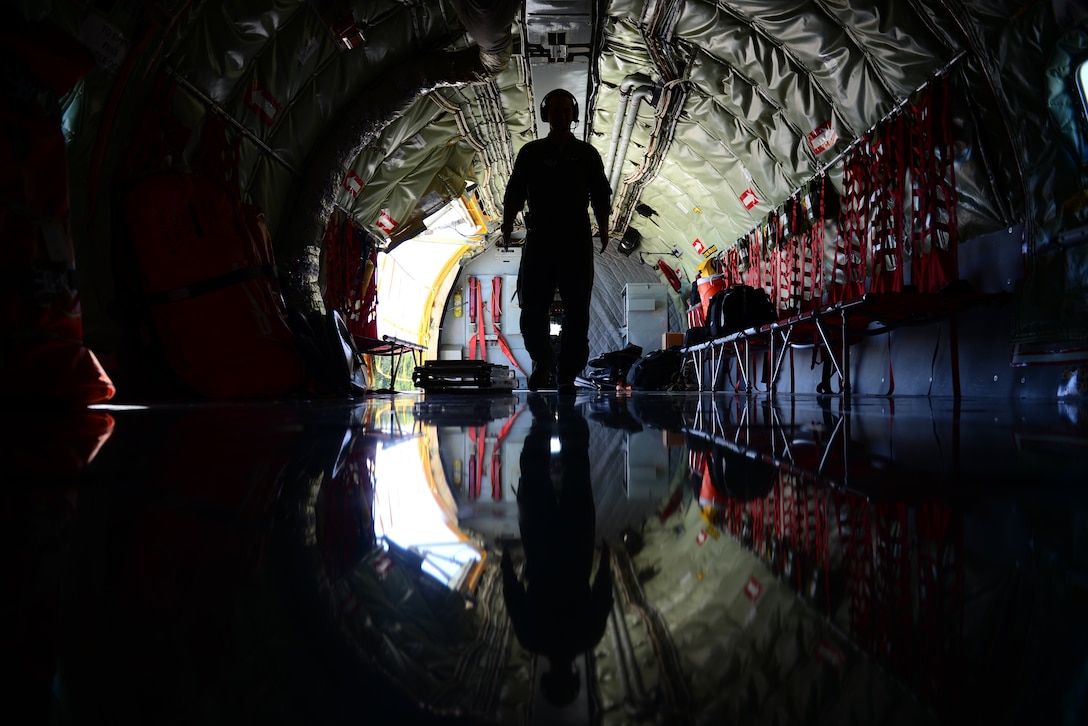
(476, 461)
(505, 430)
(496, 476)
(473, 481)
(481, 449)
(496, 457)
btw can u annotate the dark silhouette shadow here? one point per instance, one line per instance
(556, 612)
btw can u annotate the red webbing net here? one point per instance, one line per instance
(784, 254)
(809, 261)
(905, 583)
(934, 225)
(350, 262)
(899, 203)
(850, 254)
(886, 214)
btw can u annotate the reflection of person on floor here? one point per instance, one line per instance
(557, 614)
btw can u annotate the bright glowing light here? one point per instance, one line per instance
(1082, 84)
(408, 513)
(117, 407)
(407, 274)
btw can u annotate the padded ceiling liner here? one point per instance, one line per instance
(745, 100)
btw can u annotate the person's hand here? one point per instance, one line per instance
(506, 238)
(604, 240)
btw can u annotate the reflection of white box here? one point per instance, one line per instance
(646, 314)
(647, 465)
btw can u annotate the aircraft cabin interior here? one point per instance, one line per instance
(294, 430)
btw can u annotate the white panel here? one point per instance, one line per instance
(647, 465)
(646, 315)
(511, 310)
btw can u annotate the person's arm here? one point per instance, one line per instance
(514, 199)
(600, 197)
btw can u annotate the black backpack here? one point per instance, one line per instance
(661, 370)
(611, 368)
(739, 307)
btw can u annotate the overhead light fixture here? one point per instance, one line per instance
(557, 47)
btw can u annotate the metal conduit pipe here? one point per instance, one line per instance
(626, 87)
(617, 127)
(637, 698)
(620, 656)
(640, 93)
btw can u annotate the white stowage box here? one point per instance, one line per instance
(646, 314)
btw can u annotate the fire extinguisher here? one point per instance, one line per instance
(458, 302)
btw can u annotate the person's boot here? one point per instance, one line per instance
(540, 376)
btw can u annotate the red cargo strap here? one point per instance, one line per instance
(473, 294)
(204, 287)
(496, 300)
(496, 313)
(476, 316)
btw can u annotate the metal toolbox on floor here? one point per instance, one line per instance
(460, 375)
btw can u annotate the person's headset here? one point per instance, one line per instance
(552, 94)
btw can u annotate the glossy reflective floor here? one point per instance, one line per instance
(525, 558)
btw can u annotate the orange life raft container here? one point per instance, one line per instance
(206, 269)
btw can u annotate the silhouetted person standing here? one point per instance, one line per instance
(559, 177)
(557, 614)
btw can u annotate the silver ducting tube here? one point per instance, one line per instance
(640, 93)
(628, 85)
(489, 23)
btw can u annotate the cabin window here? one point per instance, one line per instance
(71, 106)
(1082, 86)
